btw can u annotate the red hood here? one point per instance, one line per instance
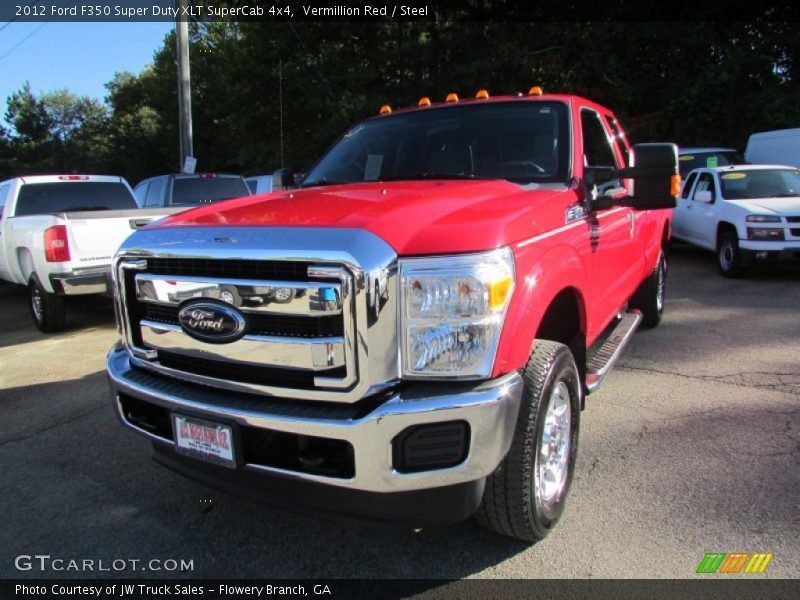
(414, 217)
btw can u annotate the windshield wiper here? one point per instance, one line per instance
(325, 181)
(432, 175)
(84, 208)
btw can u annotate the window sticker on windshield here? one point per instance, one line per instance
(733, 176)
(711, 162)
(372, 170)
(686, 157)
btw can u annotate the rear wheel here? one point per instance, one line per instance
(729, 260)
(525, 496)
(650, 296)
(48, 310)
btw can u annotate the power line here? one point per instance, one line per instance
(15, 18)
(23, 40)
(32, 33)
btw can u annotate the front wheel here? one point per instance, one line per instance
(729, 260)
(524, 498)
(48, 310)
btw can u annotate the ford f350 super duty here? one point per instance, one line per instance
(469, 271)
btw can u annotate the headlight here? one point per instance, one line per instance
(452, 312)
(765, 234)
(763, 219)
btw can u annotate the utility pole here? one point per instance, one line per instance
(184, 85)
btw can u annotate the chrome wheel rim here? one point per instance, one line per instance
(282, 294)
(661, 285)
(554, 447)
(37, 304)
(726, 256)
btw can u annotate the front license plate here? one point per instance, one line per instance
(211, 442)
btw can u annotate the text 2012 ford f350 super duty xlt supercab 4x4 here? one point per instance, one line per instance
(469, 271)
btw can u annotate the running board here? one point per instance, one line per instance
(602, 360)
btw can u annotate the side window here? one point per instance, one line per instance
(140, 192)
(706, 182)
(3, 195)
(597, 150)
(619, 140)
(155, 193)
(687, 187)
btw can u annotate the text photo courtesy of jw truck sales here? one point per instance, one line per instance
(388, 297)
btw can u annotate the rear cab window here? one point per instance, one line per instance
(72, 196)
(206, 189)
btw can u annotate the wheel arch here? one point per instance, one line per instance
(724, 227)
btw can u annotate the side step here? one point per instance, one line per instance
(602, 359)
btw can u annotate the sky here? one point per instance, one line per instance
(80, 57)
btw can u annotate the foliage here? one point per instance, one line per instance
(271, 94)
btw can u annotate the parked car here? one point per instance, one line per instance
(59, 233)
(746, 214)
(472, 269)
(781, 147)
(690, 159)
(187, 190)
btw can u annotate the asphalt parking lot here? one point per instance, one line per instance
(692, 445)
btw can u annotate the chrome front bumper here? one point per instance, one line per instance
(95, 281)
(490, 408)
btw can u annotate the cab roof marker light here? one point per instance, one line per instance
(424, 101)
(535, 91)
(451, 97)
(385, 109)
(482, 95)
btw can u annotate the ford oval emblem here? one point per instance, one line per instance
(212, 322)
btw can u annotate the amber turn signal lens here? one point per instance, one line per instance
(451, 97)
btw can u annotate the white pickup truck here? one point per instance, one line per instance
(747, 214)
(58, 234)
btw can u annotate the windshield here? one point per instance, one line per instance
(523, 142)
(204, 190)
(761, 183)
(72, 196)
(702, 160)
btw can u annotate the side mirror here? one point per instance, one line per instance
(285, 177)
(654, 171)
(704, 196)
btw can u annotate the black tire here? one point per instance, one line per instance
(650, 296)
(48, 310)
(729, 260)
(229, 294)
(513, 501)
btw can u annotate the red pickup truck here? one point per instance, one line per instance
(459, 276)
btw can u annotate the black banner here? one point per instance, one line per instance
(713, 587)
(366, 11)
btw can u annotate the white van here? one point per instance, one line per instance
(779, 147)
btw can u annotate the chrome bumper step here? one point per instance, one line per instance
(602, 358)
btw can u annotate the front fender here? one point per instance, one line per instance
(541, 276)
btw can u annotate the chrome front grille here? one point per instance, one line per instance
(315, 329)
